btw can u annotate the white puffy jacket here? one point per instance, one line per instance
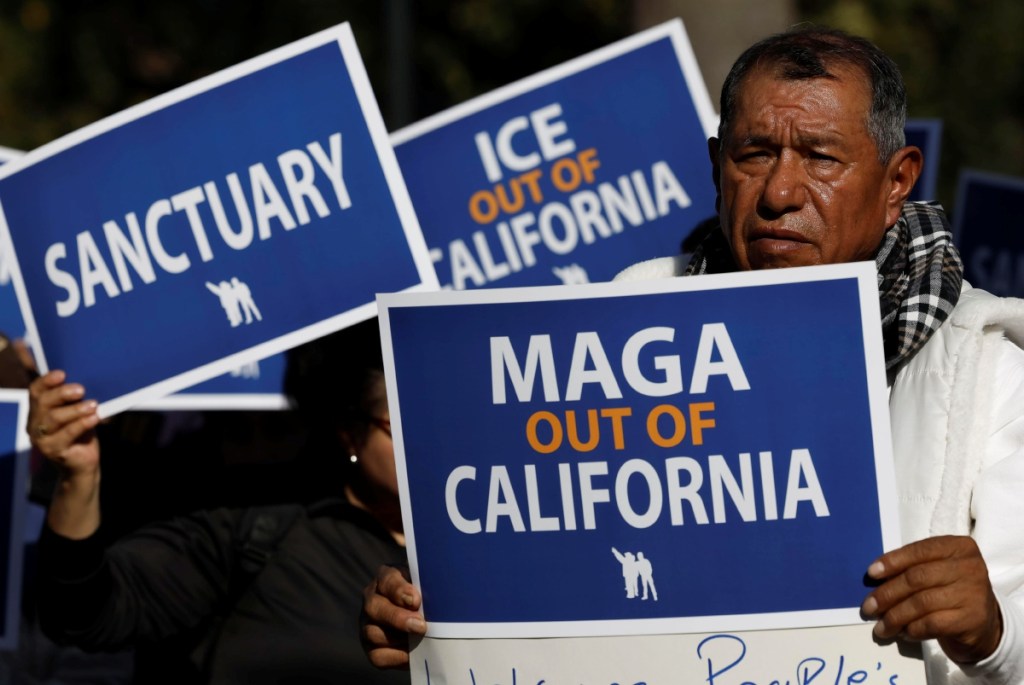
(957, 415)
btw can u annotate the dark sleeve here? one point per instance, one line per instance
(160, 581)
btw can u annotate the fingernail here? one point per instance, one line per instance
(75, 390)
(869, 607)
(407, 600)
(90, 420)
(877, 630)
(876, 570)
(88, 407)
(416, 625)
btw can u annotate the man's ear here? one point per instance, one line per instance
(902, 171)
(714, 147)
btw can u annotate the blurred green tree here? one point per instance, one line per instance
(66, 64)
(963, 61)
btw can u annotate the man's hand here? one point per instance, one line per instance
(936, 588)
(391, 607)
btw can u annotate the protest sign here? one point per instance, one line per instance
(927, 135)
(987, 230)
(844, 655)
(720, 443)
(13, 489)
(682, 457)
(228, 220)
(256, 385)
(570, 175)
(11, 323)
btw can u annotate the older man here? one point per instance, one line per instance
(811, 168)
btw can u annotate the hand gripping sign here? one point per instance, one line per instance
(231, 219)
(570, 175)
(675, 457)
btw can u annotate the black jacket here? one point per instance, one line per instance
(179, 588)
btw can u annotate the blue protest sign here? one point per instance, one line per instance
(256, 385)
(685, 455)
(231, 219)
(570, 175)
(987, 230)
(13, 488)
(11, 323)
(927, 135)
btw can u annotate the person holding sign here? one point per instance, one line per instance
(810, 167)
(264, 595)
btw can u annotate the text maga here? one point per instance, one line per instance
(590, 365)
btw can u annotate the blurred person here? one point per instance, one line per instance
(811, 167)
(37, 660)
(257, 595)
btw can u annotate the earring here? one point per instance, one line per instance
(353, 458)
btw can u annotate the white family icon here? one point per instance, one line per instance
(236, 298)
(250, 371)
(571, 274)
(638, 573)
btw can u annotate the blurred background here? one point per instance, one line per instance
(66, 64)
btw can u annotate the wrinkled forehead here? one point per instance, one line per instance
(844, 89)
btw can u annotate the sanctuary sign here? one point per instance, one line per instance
(218, 224)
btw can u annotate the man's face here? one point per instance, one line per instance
(798, 177)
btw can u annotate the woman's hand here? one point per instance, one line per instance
(61, 426)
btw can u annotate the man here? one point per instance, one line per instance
(810, 168)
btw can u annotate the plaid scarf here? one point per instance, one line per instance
(919, 277)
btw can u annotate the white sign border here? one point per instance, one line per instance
(864, 273)
(673, 30)
(341, 35)
(201, 401)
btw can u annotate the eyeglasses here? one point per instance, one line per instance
(383, 424)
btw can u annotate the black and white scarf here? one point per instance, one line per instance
(919, 277)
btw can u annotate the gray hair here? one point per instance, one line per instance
(807, 53)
